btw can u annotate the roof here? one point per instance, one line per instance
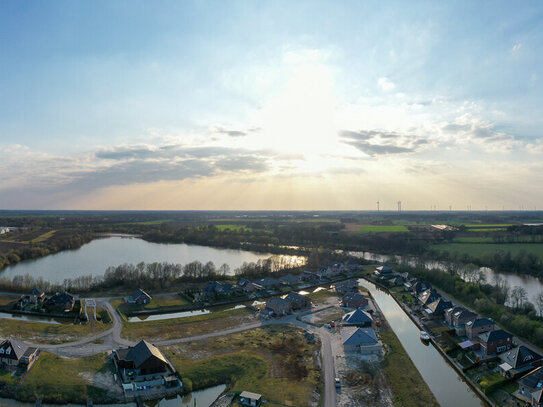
(358, 336)
(480, 322)
(19, 348)
(61, 298)
(466, 344)
(496, 335)
(384, 269)
(290, 278)
(250, 395)
(267, 281)
(277, 301)
(357, 317)
(143, 351)
(439, 305)
(35, 291)
(139, 292)
(295, 297)
(534, 379)
(520, 356)
(353, 297)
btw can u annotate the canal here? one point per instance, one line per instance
(448, 388)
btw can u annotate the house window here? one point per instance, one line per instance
(500, 348)
(2, 351)
(8, 351)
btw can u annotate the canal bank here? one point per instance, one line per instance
(446, 382)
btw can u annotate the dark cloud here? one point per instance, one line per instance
(374, 142)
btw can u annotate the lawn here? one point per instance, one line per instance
(5, 299)
(382, 228)
(275, 361)
(473, 240)
(487, 230)
(480, 249)
(188, 326)
(39, 332)
(159, 302)
(63, 380)
(7, 377)
(322, 295)
(408, 386)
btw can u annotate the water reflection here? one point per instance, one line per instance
(448, 388)
(182, 314)
(33, 318)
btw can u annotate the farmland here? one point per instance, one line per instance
(482, 249)
(383, 228)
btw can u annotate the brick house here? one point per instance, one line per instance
(478, 326)
(495, 342)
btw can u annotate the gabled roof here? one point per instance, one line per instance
(35, 291)
(61, 298)
(497, 335)
(357, 317)
(17, 347)
(143, 351)
(139, 292)
(295, 297)
(358, 336)
(250, 395)
(426, 296)
(290, 279)
(277, 301)
(520, 356)
(353, 297)
(533, 380)
(479, 322)
(267, 282)
(384, 269)
(439, 305)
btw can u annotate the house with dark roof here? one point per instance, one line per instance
(361, 340)
(279, 306)
(496, 341)
(530, 388)
(357, 318)
(34, 296)
(144, 367)
(478, 326)
(436, 309)
(344, 287)
(139, 297)
(298, 301)
(247, 398)
(16, 354)
(518, 361)
(352, 265)
(427, 297)
(354, 300)
(457, 317)
(290, 279)
(384, 272)
(267, 283)
(418, 287)
(310, 277)
(60, 302)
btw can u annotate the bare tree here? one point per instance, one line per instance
(502, 290)
(518, 296)
(538, 301)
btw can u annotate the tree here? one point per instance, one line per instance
(518, 296)
(538, 301)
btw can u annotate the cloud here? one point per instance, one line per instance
(467, 129)
(374, 142)
(385, 84)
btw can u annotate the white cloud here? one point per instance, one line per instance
(516, 48)
(385, 84)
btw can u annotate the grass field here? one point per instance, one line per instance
(481, 249)
(38, 332)
(473, 240)
(408, 386)
(382, 228)
(275, 361)
(63, 380)
(487, 230)
(477, 225)
(188, 326)
(164, 302)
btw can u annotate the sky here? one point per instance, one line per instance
(250, 105)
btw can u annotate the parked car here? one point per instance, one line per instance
(338, 383)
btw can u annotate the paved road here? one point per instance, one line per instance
(111, 339)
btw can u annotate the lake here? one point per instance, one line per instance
(93, 258)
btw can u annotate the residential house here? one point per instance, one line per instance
(290, 279)
(344, 287)
(361, 340)
(531, 388)
(517, 361)
(427, 297)
(384, 272)
(496, 341)
(407, 276)
(246, 286)
(396, 281)
(267, 283)
(247, 398)
(16, 354)
(266, 312)
(436, 309)
(279, 306)
(419, 287)
(298, 301)
(354, 300)
(310, 277)
(34, 296)
(357, 318)
(457, 317)
(352, 265)
(143, 367)
(60, 302)
(478, 326)
(139, 297)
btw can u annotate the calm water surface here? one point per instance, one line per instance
(449, 389)
(182, 314)
(93, 258)
(35, 318)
